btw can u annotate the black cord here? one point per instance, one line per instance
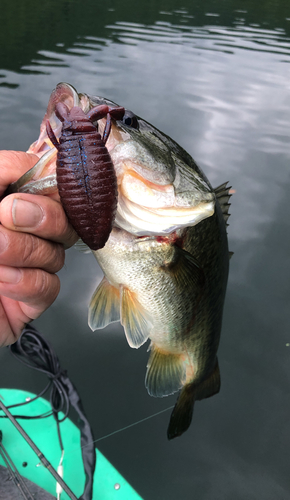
(36, 353)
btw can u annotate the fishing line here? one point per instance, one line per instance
(70, 452)
(132, 425)
(122, 429)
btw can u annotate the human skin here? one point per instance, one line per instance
(34, 234)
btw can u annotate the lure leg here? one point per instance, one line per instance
(107, 129)
(51, 135)
(117, 113)
(101, 111)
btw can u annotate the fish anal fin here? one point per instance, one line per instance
(181, 415)
(104, 307)
(166, 372)
(134, 318)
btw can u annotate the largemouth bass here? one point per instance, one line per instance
(166, 260)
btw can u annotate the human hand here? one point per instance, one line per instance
(34, 232)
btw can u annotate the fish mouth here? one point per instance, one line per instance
(149, 203)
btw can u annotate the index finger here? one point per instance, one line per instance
(13, 164)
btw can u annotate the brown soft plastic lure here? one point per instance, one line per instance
(85, 173)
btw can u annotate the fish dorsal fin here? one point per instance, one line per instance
(104, 307)
(134, 318)
(223, 195)
(166, 372)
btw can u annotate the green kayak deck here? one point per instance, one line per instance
(108, 483)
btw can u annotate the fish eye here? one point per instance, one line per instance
(130, 119)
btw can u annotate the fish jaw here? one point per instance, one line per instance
(40, 179)
(146, 207)
(141, 222)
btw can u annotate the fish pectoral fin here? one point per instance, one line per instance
(181, 415)
(134, 318)
(210, 386)
(104, 307)
(184, 269)
(166, 372)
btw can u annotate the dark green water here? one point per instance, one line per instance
(215, 76)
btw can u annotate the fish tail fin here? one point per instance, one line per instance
(181, 415)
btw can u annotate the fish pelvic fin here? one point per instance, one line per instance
(223, 195)
(181, 415)
(166, 372)
(104, 307)
(134, 318)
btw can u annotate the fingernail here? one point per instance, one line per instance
(26, 213)
(10, 274)
(3, 242)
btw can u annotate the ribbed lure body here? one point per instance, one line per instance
(85, 173)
